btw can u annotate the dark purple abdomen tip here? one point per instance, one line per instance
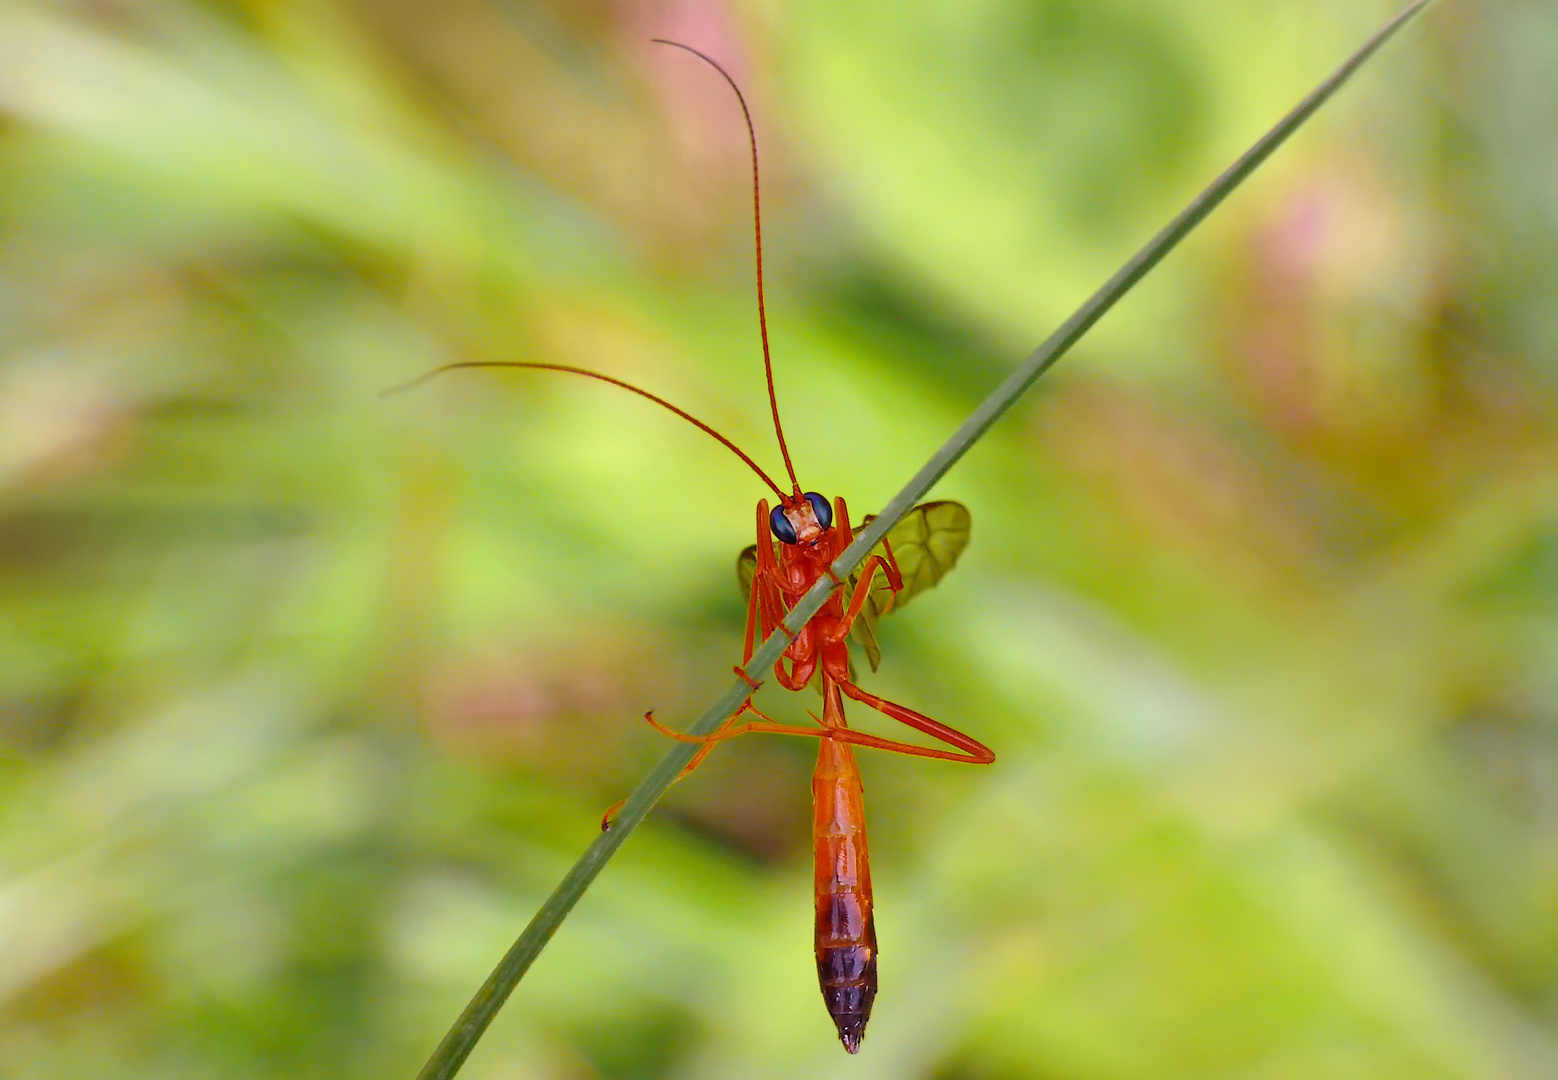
(848, 977)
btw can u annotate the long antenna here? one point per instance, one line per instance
(757, 228)
(687, 416)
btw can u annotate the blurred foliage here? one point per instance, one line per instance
(307, 698)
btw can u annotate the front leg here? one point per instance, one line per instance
(767, 597)
(862, 592)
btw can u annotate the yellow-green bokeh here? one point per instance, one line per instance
(308, 697)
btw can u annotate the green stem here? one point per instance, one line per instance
(473, 1021)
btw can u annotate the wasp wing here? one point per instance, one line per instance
(746, 570)
(925, 544)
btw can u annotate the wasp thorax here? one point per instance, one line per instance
(803, 520)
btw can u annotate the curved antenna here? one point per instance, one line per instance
(757, 228)
(687, 416)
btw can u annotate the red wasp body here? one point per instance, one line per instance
(845, 929)
(811, 537)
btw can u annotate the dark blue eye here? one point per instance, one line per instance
(781, 525)
(820, 507)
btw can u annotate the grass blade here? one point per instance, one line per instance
(473, 1021)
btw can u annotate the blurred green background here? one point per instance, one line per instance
(307, 698)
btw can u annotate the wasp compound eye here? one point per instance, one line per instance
(820, 507)
(781, 525)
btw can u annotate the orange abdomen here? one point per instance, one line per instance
(846, 936)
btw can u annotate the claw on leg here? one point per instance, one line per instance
(609, 818)
(649, 717)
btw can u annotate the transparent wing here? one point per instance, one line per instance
(926, 544)
(746, 570)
